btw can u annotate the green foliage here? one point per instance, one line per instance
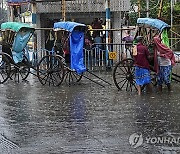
(176, 13)
(154, 9)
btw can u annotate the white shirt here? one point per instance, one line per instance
(163, 61)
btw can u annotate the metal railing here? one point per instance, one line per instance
(98, 58)
(95, 58)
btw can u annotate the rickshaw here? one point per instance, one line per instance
(123, 73)
(65, 62)
(14, 62)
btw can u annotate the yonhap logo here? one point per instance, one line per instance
(136, 140)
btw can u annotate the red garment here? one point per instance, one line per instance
(164, 52)
(66, 51)
(141, 59)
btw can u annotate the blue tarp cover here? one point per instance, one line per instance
(76, 44)
(69, 26)
(19, 44)
(159, 24)
(76, 50)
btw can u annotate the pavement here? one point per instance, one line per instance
(86, 118)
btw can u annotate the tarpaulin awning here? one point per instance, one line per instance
(159, 24)
(17, 2)
(69, 26)
(15, 26)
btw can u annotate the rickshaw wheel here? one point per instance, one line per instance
(123, 75)
(50, 70)
(5, 68)
(72, 77)
(20, 71)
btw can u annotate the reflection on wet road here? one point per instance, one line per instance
(87, 119)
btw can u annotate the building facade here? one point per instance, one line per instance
(83, 11)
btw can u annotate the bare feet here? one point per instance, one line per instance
(139, 89)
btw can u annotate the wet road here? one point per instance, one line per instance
(87, 119)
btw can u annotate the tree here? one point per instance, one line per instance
(153, 10)
(176, 13)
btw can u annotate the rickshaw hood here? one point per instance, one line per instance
(68, 25)
(159, 24)
(15, 26)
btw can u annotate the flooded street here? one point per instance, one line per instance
(87, 119)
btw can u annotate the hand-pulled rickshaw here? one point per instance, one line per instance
(65, 62)
(54, 67)
(14, 63)
(123, 73)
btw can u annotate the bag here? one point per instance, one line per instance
(134, 50)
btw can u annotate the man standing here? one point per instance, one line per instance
(128, 39)
(163, 61)
(128, 44)
(142, 69)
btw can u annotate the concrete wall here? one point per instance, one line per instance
(83, 6)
